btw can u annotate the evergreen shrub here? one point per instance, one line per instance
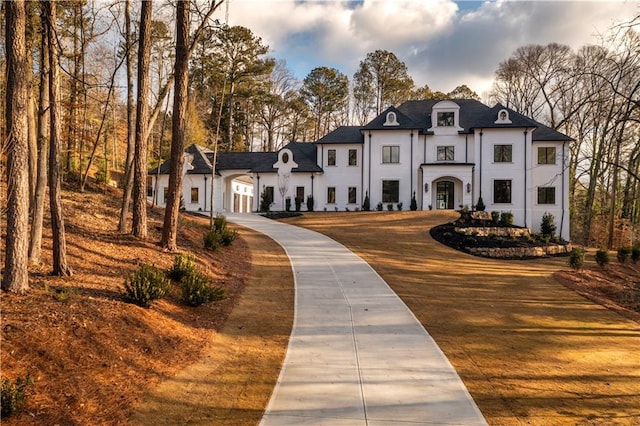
(145, 285)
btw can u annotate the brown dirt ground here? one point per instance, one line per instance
(92, 356)
(530, 350)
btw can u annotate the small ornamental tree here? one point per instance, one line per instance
(414, 203)
(576, 258)
(624, 253)
(602, 258)
(480, 205)
(310, 203)
(366, 204)
(548, 226)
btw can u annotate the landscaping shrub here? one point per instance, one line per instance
(298, 203)
(480, 205)
(390, 207)
(212, 239)
(379, 206)
(576, 258)
(310, 203)
(287, 204)
(414, 203)
(548, 226)
(624, 253)
(366, 204)
(602, 258)
(183, 264)
(145, 285)
(265, 203)
(197, 289)
(506, 218)
(399, 206)
(13, 395)
(495, 217)
(635, 253)
(219, 234)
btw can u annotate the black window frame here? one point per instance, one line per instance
(391, 150)
(332, 157)
(352, 195)
(197, 192)
(548, 155)
(331, 194)
(353, 157)
(446, 118)
(446, 150)
(503, 153)
(502, 191)
(390, 187)
(270, 191)
(547, 195)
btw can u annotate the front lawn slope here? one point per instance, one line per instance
(529, 350)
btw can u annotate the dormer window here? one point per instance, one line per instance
(446, 119)
(503, 117)
(391, 119)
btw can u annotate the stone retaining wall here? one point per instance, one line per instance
(482, 231)
(521, 252)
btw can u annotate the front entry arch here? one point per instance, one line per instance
(445, 192)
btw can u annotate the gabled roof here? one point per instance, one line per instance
(304, 154)
(476, 115)
(405, 122)
(343, 134)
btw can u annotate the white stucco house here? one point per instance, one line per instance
(446, 154)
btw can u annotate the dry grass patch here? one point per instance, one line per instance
(529, 350)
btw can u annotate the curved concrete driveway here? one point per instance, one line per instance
(357, 355)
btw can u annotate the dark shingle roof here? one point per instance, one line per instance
(476, 115)
(304, 154)
(404, 121)
(343, 134)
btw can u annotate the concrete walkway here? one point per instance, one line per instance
(357, 355)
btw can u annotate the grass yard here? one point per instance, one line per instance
(529, 350)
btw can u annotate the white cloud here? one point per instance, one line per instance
(442, 45)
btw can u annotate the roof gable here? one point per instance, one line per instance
(384, 121)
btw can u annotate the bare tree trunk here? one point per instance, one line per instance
(140, 158)
(180, 97)
(33, 138)
(16, 276)
(35, 247)
(60, 264)
(128, 169)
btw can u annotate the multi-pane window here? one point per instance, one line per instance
(165, 193)
(331, 195)
(445, 153)
(547, 155)
(149, 186)
(352, 194)
(353, 157)
(503, 153)
(195, 195)
(300, 192)
(390, 191)
(391, 154)
(502, 191)
(331, 157)
(547, 195)
(445, 119)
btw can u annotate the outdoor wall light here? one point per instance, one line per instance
(468, 188)
(426, 187)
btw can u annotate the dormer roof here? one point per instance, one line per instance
(381, 122)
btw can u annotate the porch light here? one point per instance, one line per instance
(426, 187)
(468, 188)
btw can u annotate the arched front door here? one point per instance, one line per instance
(444, 195)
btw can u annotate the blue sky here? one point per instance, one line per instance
(444, 43)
